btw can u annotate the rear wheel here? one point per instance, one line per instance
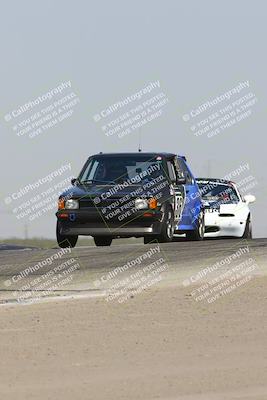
(64, 240)
(198, 233)
(248, 229)
(102, 240)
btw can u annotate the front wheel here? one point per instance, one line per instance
(64, 240)
(248, 230)
(102, 240)
(198, 233)
(168, 227)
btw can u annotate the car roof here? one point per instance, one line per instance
(150, 154)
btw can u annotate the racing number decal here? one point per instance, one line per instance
(179, 192)
(179, 202)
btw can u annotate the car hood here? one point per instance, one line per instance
(107, 191)
(210, 204)
(216, 205)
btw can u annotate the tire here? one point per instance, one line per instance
(65, 241)
(198, 233)
(102, 240)
(248, 229)
(168, 227)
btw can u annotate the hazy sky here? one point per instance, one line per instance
(109, 50)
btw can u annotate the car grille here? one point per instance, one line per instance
(86, 203)
(89, 203)
(209, 229)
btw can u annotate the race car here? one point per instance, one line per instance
(227, 213)
(120, 195)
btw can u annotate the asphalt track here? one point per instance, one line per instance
(93, 265)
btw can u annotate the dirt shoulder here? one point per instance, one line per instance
(160, 344)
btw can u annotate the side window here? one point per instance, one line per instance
(187, 173)
(179, 168)
(171, 171)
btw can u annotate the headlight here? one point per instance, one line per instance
(71, 204)
(140, 204)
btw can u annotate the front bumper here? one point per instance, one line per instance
(223, 226)
(106, 231)
(77, 222)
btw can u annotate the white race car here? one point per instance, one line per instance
(227, 213)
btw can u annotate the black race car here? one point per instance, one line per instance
(122, 195)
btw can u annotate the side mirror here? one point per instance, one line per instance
(180, 181)
(73, 181)
(249, 198)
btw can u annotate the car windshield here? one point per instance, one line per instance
(120, 169)
(221, 193)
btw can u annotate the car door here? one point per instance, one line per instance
(192, 197)
(178, 189)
